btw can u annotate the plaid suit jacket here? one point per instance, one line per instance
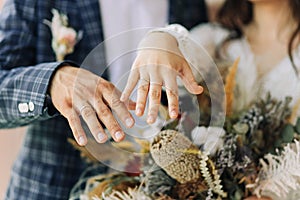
(47, 166)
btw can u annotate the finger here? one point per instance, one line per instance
(189, 81)
(89, 116)
(172, 95)
(75, 125)
(131, 105)
(130, 85)
(113, 100)
(106, 116)
(111, 95)
(154, 101)
(142, 93)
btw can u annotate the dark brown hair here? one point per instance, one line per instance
(236, 13)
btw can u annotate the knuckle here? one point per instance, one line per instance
(105, 85)
(140, 104)
(153, 109)
(98, 102)
(95, 128)
(116, 102)
(112, 126)
(155, 94)
(154, 105)
(72, 119)
(104, 111)
(88, 112)
(172, 105)
(172, 94)
(143, 88)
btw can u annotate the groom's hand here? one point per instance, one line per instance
(76, 92)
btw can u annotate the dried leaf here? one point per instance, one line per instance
(230, 85)
(288, 133)
(84, 153)
(295, 111)
(297, 127)
(144, 144)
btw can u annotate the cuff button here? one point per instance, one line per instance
(31, 106)
(23, 107)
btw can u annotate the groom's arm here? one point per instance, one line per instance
(23, 85)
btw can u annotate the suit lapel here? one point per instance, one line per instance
(174, 10)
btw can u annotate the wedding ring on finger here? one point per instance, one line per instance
(81, 110)
(144, 80)
(156, 83)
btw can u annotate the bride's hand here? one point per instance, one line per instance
(158, 63)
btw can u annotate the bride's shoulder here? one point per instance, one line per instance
(212, 27)
(209, 32)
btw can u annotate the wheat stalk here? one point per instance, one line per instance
(230, 85)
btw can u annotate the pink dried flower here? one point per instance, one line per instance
(64, 38)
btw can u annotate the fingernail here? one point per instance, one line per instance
(81, 140)
(195, 84)
(101, 137)
(173, 114)
(150, 119)
(200, 88)
(118, 135)
(138, 111)
(129, 122)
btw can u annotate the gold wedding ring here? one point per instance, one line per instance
(155, 83)
(150, 82)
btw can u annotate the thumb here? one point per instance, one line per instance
(189, 81)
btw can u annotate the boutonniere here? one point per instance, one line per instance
(64, 37)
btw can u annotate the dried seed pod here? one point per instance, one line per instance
(171, 151)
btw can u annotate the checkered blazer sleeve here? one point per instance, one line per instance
(21, 81)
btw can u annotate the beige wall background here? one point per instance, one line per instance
(10, 142)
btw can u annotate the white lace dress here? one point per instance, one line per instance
(281, 81)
